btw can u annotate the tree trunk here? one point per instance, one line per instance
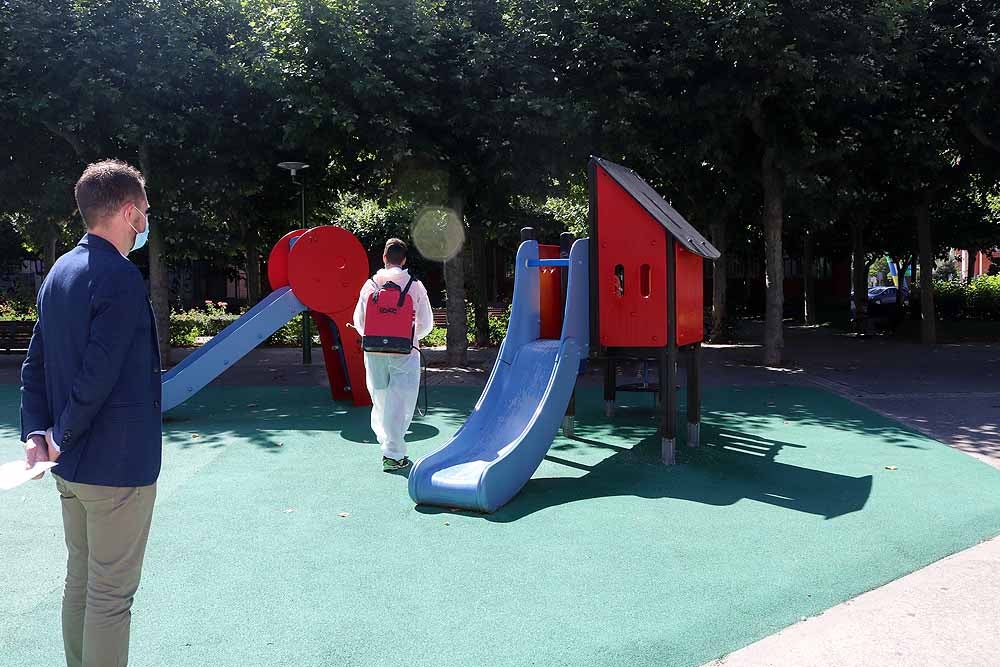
(774, 277)
(808, 281)
(928, 333)
(159, 284)
(159, 289)
(454, 282)
(480, 291)
(859, 284)
(494, 275)
(51, 247)
(719, 283)
(253, 272)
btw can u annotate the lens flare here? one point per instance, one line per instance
(437, 233)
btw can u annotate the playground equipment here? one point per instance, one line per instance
(633, 290)
(894, 272)
(501, 444)
(319, 270)
(647, 300)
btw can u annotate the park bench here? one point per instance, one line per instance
(441, 315)
(15, 335)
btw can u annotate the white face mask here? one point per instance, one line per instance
(140, 237)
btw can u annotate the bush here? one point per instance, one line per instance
(950, 299)
(16, 309)
(983, 296)
(438, 337)
(184, 330)
(187, 326)
(290, 335)
(497, 325)
(978, 300)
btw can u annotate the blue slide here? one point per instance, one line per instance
(519, 413)
(229, 346)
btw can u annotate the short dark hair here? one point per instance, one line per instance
(395, 250)
(105, 186)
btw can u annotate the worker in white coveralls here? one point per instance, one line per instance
(393, 377)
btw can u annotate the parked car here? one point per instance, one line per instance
(882, 302)
(882, 296)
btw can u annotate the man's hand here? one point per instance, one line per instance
(36, 451)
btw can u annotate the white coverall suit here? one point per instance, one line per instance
(394, 379)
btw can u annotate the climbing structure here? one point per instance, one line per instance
(319, 270)
(632, 291)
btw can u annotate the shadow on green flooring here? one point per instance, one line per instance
(362, 432)
(729, 466)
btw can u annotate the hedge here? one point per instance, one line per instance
(13, 309)
(187, 326)
(977, 300)
(438, 337)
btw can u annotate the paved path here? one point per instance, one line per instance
(941, 616)
(949, 392)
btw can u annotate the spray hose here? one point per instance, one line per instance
(423, 381)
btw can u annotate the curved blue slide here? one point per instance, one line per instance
(229, 346)
(522, 407)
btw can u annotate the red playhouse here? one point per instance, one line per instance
(646, 294)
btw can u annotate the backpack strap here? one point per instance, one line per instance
(375, 294)
(402, 295)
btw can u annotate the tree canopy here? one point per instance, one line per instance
(845, 127)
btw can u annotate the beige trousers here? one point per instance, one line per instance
(106, 530)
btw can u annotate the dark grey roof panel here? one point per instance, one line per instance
(658, 207)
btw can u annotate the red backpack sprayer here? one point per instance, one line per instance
(389, 326)
(389, 320)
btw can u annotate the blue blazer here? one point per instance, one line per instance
(92, 373)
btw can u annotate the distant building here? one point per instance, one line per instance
(978, 263)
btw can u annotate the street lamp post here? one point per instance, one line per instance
(294, 168)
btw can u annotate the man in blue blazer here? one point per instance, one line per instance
(90, 400)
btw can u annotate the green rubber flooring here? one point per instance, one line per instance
(277, 540)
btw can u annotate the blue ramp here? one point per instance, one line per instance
(521, 409)
(211, 359)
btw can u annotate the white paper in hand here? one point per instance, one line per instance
(15, 474)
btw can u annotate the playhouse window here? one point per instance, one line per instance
(620, 275)
(644, 282)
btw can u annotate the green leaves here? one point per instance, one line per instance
(499, 103)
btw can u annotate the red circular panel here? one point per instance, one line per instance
(277, 261)
(326, 269)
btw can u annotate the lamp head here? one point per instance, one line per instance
(293, 167)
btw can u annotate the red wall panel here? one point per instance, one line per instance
(631, 243)
(690, 297)
(632, 255)
(550, 294)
